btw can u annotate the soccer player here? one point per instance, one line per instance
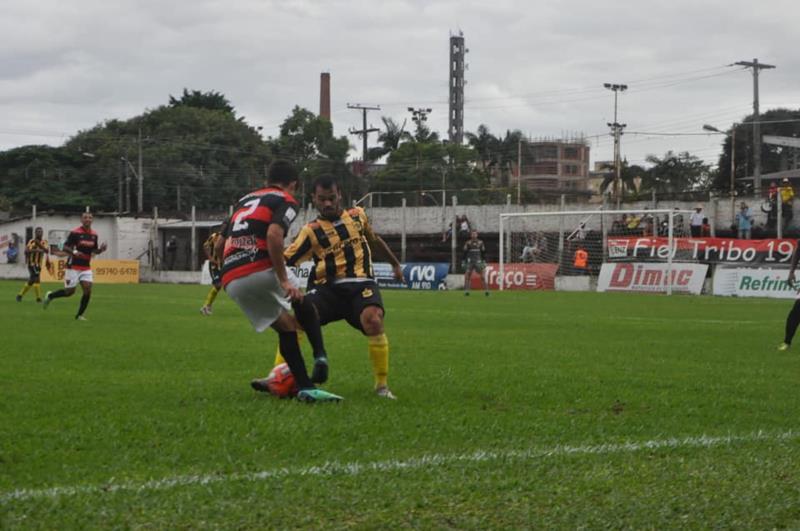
(793, 319)
(474, 259)
(80, 246)
(36, 250)
(254, 274)
(341, 282)
(214, 265)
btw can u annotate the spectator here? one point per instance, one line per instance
(463, 228)
(581, 261)
(531, 251)
(172, 252)
(12, 252)
(696, 221)
(787, 198)
(744, 222)
(705, 230)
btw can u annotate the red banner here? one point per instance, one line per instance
(518, 276)
(714, 250)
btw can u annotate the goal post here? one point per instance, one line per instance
(576, 242)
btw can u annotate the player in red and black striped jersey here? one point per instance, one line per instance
(255, 276)
(81, 245)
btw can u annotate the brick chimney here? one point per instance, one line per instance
(325, 96)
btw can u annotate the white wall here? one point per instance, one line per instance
(126, 237)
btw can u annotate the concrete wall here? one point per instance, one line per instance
(485, 218)
(127, 237)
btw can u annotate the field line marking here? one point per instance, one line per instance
(331, 468)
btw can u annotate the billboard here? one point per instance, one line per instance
(753, 282)
(518, 277)
(104, 271)
(652, 277)
(714, 250)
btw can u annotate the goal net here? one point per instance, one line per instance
(619, 250)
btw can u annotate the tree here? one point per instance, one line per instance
(487, 147)
(785, 122)
(212, 101)
(629, 173)
(390, 139)
(307, 140)
(677, 172)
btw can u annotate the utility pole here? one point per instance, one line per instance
(519, 170)
(140, 175)
(419, 116)
(364, 131)
(616, 132)
(756, 66)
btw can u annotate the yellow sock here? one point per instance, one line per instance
(24, 290)
(379, 356)
(38, 289)
(211, 296)
(278, 358)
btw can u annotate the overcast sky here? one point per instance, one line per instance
(66, 65)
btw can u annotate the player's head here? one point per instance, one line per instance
(473, 235)
(282, 173)
(86, 220)
(327, 197)
(38, 233)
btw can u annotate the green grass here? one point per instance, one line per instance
(150, 390)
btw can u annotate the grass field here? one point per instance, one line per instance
(523, 410)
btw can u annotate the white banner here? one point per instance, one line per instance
(747, 282)
(652, 277)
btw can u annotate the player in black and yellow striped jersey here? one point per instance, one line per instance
(36, 252)
(214, 268)
(341, 284)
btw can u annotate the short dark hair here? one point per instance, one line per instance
(281, 172)
(326, 182)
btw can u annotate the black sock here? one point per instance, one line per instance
(84, 303)
(792, 320)
(308, 318)
(291, 353)
(59, 293)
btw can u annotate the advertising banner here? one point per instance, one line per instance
(751, 282)
(713, 250)
(518, 277)
(416, 275)
(104, 271)
(652, 277)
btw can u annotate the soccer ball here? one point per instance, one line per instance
(280, 381)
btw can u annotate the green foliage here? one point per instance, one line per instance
(676, 172)
(307, 140)
(773, 158)
(212, 101)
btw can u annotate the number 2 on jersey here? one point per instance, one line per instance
(238, 224)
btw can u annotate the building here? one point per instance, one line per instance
(559, 166)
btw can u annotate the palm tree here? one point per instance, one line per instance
(486, 145)
(390, 139)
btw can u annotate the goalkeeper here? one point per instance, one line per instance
(474, 259)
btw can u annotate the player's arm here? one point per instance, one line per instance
(795, 258)
(301, 248)
(378, 244)
(276, 233)
(483, 252)
(219, 247)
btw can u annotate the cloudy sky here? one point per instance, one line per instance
(66, 65)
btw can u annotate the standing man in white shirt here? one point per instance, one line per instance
(696, 221)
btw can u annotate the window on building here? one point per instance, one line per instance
(571, 153)
(545, 152)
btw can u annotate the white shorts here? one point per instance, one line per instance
(261, 297)
(73, 277)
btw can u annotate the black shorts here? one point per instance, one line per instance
(345, 301)
(34, 272)
(216, 276)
